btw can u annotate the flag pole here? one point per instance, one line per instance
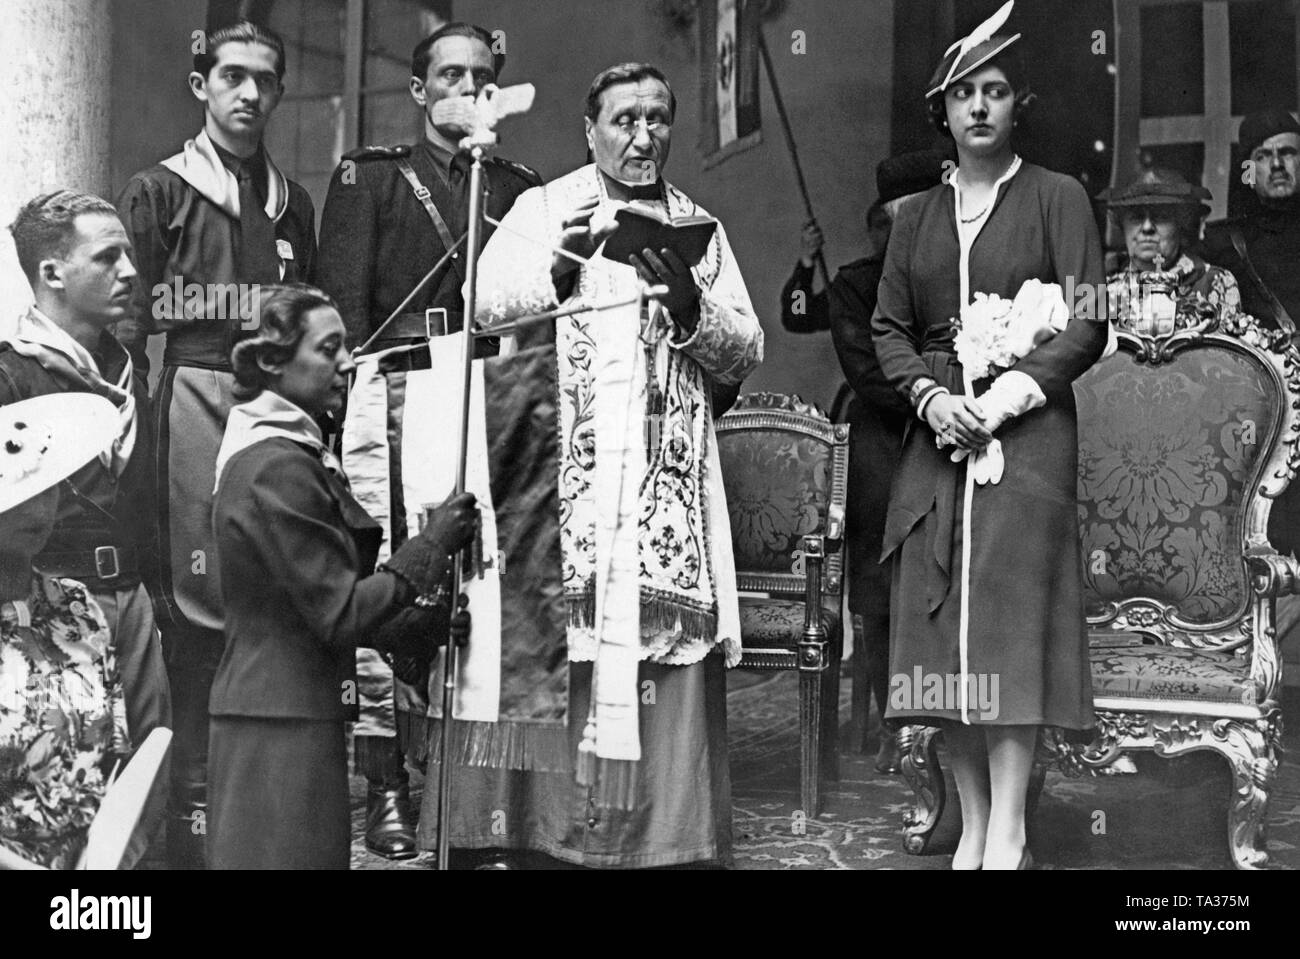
(790, 144)
(451, 660)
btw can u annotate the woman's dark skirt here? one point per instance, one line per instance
(278, 794)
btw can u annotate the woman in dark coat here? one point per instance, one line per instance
(987, 602)
(295, 556)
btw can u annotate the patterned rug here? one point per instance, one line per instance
(1172, 815)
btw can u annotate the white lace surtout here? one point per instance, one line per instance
(726, 347)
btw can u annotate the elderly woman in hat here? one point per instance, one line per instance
(1164, 285)
(987, 599)
(62, 717)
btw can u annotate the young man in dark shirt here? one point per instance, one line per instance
(210, 225)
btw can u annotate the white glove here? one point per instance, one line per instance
(988, 464)
(1012, 394)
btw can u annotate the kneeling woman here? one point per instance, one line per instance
(295, 554)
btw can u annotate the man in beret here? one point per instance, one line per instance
(877, 418)
(1262, 247)
(390, 215)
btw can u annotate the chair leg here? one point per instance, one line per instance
(922, 772)
(1251, 751)
(811, 716)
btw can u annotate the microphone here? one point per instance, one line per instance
(477, 118)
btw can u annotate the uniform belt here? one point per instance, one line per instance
(105, 564)
(206, 346)
(419, 326)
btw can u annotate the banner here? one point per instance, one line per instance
(400, 447)
(729, 61)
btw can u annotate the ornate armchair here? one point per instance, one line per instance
(785, 469)
(1185, 440)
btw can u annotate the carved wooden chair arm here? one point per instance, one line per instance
(1273, 576)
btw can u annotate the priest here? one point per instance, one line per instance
(642, 509)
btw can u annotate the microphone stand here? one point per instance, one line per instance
(515, 100)
(451, 661)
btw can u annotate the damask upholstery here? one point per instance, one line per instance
(785, 471)
(778, 489)
(1173, 674)
(764, 621)
(1166, 454)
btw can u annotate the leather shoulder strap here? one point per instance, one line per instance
(1284, 321)
(426, 199)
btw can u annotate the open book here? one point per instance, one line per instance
(640, 228)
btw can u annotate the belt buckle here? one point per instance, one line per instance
(429, 323)
(106, 565)
(423, 194)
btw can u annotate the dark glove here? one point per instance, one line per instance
(460, 622)
(409, 641)
(422, 561)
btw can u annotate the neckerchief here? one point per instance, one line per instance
(199, 165)
(266, 417)
(39, 337)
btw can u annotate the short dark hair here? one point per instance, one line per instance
(46, 225)
(282, 316)
(1009, 62)
(423, 51)
(625, 73)
(244, 31)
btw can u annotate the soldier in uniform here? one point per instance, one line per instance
(1262, 246)
(390, 215)
(209, 226)
(1262, 249)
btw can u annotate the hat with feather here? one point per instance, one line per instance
(972, 52)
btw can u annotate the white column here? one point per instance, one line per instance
(54, 100)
